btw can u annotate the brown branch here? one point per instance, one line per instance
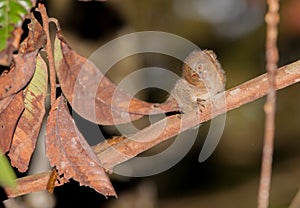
(49, 52)
(272, 19)
(235, 97)
(28, 184)
(52, 74)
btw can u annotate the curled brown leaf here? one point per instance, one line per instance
(8, 120)
(28, 127)
(5, 102)
(94, 96)
(19, 75)
(36, 37)
(69, 152)
(23, 65)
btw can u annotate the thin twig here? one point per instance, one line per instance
(49, 53)
(235, 97)
(29, 184)
(52, 74)
(272, 19)
(55, 21)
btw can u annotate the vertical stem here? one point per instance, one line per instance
(272, 19)
(49, 52)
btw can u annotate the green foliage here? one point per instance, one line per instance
(12, 13)
(7, 175)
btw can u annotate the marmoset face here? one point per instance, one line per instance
(202, 69)
(202, 78)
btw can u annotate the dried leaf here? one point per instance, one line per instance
(8, 120)
(36, 37)
(18, 76)
(93, 98)
(11, 18)
(28, 127)
(69, 152)
(5, 102)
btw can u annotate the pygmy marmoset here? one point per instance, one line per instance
(202, 78)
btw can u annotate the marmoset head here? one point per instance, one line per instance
(202, 69)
